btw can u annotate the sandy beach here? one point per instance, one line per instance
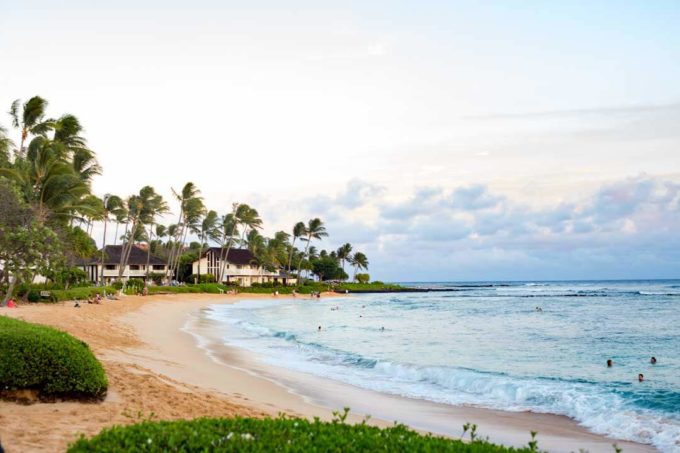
(158, 369)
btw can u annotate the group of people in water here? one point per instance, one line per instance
(641, 377)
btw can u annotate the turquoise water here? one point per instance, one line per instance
(485, 344)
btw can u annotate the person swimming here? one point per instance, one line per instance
(641, 377)
(610, 363)
(653, 361)
(319, 328)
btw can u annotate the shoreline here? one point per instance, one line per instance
(152, 338)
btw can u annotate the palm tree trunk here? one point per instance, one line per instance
(200, 254)
(305, 256)
(106, 221)
(10, 288)
(290, 256)
(148, 252)
(122, 251)
(115, 237)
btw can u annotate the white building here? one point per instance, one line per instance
(135, 268)
(241, 268)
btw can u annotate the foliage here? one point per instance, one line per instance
(205, 278)
(26, 246)
(362, 278)
(327, 268)
(80, 293)
(279, 434)
(49, 361)
(67, 276)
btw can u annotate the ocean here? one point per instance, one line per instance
(514, 346)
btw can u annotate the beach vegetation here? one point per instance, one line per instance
(362, 278)
(274, 434)
(47, 361)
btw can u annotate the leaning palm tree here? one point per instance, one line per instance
(359, 261)
(112, 205)
(5, 147)
(209, 231)
(155, 206)
(188, 193)
(343, 253)
(249, 218)
(315, 229)
(229, 226)
(298, 231)
(29, 118)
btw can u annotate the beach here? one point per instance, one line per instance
(158, 370)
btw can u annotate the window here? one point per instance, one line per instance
(110, 267)
(158, 267)
(134, 267)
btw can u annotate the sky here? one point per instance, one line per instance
(447, 140)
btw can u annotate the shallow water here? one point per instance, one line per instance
(485, 344)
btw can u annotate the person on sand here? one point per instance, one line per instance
(653, 361)
(98, 298)
(145, 291)
(11, 304)
(77, 305)
(610, 363)
(641, 377)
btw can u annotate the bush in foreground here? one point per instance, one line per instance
(280, 434)
(78, 293)
(48, 361)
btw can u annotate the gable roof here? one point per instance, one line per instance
(112, 254)
(236, 256)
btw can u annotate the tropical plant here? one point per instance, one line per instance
(298, 231)
(209, 231)
(343, 253)
(29, 118)
(315, 229)
(359, 261)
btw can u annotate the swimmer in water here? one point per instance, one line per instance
(653, 361)
(641, 377)
(319, 328)
(609, 363)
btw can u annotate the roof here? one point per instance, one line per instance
(138, 255)
(236, 256)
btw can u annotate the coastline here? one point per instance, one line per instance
(155, 340)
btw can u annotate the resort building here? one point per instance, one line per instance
(135, 268)
(240, 268)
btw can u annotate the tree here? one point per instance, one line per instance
(359, 261)
(229, 227)
(113, 205)
(29, 118)
(26, 245)
(189, 203)
(315, 229)
(209, 232)
(326, 268)
(343, 253)
(298, 231)
(5, 147)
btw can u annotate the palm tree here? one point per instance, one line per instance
(315, 229)
(209, 231)
(298, 231)
(112, 205)
(5, 146)
(189, 192)
(229, 225)
(29, 119)
(343, 253)
(155, 206)
(249, 218)
(359, 261)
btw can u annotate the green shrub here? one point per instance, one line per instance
(80, 293)
(157, 277)
(363, 278)
(136, 283)
(33, 295)
(49, 361)
(280, 434)
(118, 285)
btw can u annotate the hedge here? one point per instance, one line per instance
(267, 435)
(49, 361)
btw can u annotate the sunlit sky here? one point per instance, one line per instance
(447, 140)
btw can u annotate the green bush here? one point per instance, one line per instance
(136, 283)
(33, 295)
(80, 293)
(49, 361)
(280, 434)
(363, 278)
(118, 285)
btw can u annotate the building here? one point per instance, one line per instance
(135, 268)
(241, 268)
